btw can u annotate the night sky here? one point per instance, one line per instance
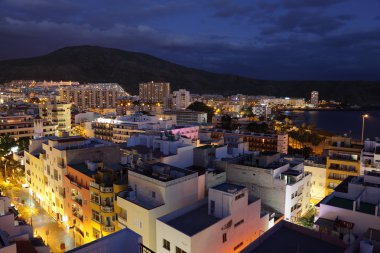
(265, 39)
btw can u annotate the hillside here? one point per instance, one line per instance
(97, 64)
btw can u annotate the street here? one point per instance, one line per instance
(41, 221)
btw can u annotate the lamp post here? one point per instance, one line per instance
(364, 116)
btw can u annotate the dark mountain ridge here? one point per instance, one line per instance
(90, 64)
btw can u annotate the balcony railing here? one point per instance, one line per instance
(106, 189)
(353, 170)
(79, 216)
(77, 200)
(94, 185)
(106, 209)
(108, 228)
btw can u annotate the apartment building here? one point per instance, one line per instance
(156, 190)
(256, 141)
(352, 210)
(317, 167)
(227, 221)
(179, 100)
(153, 92)
(370, 156)
(26, 126)
(343, 160)
(58, 113)
(280, 184)
(90, 188)
(185, 117)
(56, 153)
(165, 148)
(102, 95)
(121, 128)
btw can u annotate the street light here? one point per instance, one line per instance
(364, 116)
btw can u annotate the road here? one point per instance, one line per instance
(42, 222)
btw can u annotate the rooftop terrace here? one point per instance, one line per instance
(194, 221)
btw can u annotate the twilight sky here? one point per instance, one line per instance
(265, 39)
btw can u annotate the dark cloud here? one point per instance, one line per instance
(266, 39)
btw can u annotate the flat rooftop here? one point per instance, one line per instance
(228, 187)
(341, 203)
(194, 221)
(82, 168)
(162, 172)
(288, 240)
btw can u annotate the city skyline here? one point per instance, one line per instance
(275, 40)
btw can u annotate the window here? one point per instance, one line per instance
(212, 207)
(238, 246)
(179, 250)
(153, 194)
(241, 195)
(239, 223)
(95, 233)
(96, 216)
(166, 244)
(224, 237)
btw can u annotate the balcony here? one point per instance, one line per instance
(61, 165)
(106, 209)
(108, 228)
(94, 185)
(106, 189)
(346, 169)
(78, 215)
(77, 200)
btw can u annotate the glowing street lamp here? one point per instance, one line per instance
(364, 116)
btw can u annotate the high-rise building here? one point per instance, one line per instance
(58, 113)
(314, 98)
(182, 99)
(153, 92)
(103, 95)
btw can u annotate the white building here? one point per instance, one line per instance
(181, 99)
(125, 241)
(15, 235)
(58, 113)
(165, 148)
(314, 100)
(370, 156)
(121, 128)
(261, 110)
(280, 184)
(102, 95)
(227, 221)
(317, 167)
(188, 117)
(156, 190)
(353, 208)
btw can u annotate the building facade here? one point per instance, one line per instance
(154, 92)
(227, 221)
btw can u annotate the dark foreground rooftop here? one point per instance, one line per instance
(290, 238)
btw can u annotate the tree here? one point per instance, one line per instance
(257, 127)
(202, 107)
(6, 144)
(23, 143)
(226, 122)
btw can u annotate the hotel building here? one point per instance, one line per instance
(102, 95)
(153, 92)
